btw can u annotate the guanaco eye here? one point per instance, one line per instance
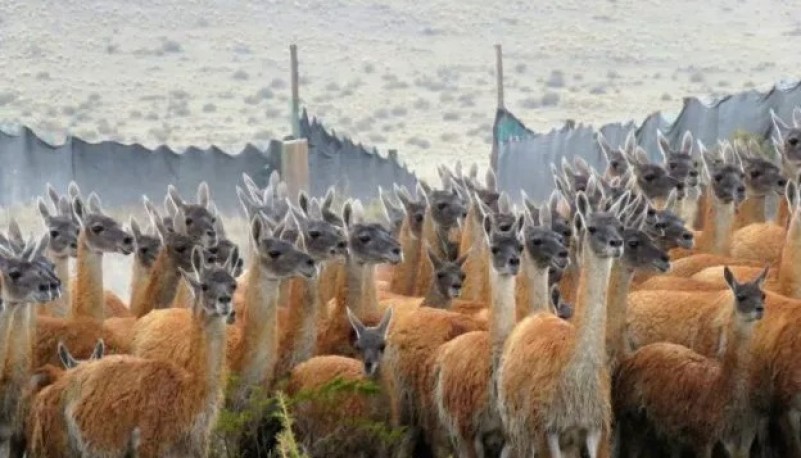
(188, 221)
(634, 243)
(204, 287)
(494, 250)
(792, 141)
(440, 275)
(755, 173)
(718, 177)
(98, 229)
(592, 230)
(364, 238)
(442, 205)
(314, 234)
(382, 347)
(273, 253)
(536, 242)
(15, 274)
(180, 249)
(672, 165)
(741, 298)
(649, 177)
(53, 234)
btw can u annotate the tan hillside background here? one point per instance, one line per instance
(416, 76)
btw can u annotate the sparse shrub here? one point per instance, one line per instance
(368, 68)
(697, 77)
(272, 113)
(724, 83)
(209, 108)
(421, 143)
(278, 83)
(264, 134)
(67, 110)
(399, 111)
(521, 68)
(265, 93)
(556, 79)
(381, 113)
(252, 100)
(332, 86)
(171, 46)
(550, 99)
(666, 97)
(612, 74)
(449, 137)
(241, 75)
(450, 116)
(421, 104)
(530, 103)
(377, 138)
(467, 100)
(43, 76)
(179, 94)
(152, 116)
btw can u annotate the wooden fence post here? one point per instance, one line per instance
(295, 166)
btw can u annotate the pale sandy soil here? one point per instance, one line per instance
(417, 76)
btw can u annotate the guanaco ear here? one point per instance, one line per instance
(43, 210)
(545, 218)
(491, 180)
(99, 351)
(781, 127)
(135, 230)
(504, 203)
(303, 201)
(203, 195)
(671, 199)
(78, 211)
(762, 276)
(791, 193)
(355, 323)
(463, 258)
(583, 208)
(383, 326)
(198, 260)
(94, 204)
(64, 207)
(175, 196)
(52, 194)
(729, 277)
(66, 358)
(436, 263)
(664, 145)
(39, 248)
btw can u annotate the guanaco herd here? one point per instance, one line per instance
(651, 308)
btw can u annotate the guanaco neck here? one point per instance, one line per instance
(161, 286)
(590, 314)
(436, 238)
(89, 298)
(783, 213)
(502, 314)
(689, 206)
(20, 345)
(404, 274)
(717, 231)
(303, 311)
(183, 297)
(476, 266)
(140, 276)
(532, 289)
(616, 301)
(207, 363)
(6, 318)
(752, 210)
(350, 288)
(60, 307)
(790, 262)
(369, 302)
(733, 377)
(259, 345)
(330, 275)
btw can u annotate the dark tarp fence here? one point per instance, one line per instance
(122, 173)
(524, 156)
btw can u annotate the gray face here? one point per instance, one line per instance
(370, 342)
(147, 249)
(683, 167)
(26, 281)
(544, 246)
(655, 182)
(222, 251)
(603, 231)
(323, 240)
(792, 145)
(727, 183)
(616, 164)
(447, 208)
(640, 252)
(763, 177)
(372, 243)
(64, 232)
(668, 229)
(199, 221)
(280, 258)
(749, 298)
(448, 275)
(212, 284)
(105, 235)
(505, 247)
(415, 213)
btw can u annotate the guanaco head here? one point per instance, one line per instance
(652, 179)
(562, 309)
(63, 227)
(199, 218)
(602, 230)
(15, 243)
(788, 138)
(146, 246)
(762, 177)
(371, 341)
(271, 201)
(725, 176)
(749, 299)
(221, 250)
(279, 258)
(448, 275)
(667, 228)
(176, 242)
(369, 243)
(681, 164)
(415, 209)
(213, 285)
(573, 178)
(616, 164)
(505, 247)
(448, 206)
(488, 193)
(25, 279)
(323, 240)
(557, 206)
(102, 234)
(639, 250)
(69, 362)
(543, 245)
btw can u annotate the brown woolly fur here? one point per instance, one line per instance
(405, 273)
(412, 344)
(476, 266)
(431, 237)
(669, 283)
(759, 242)
(173, 408)
(88, 293)
(553, 378)
(114, 306)
(691, 265)
(79, 335)
(707, 400)
(340, 417)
